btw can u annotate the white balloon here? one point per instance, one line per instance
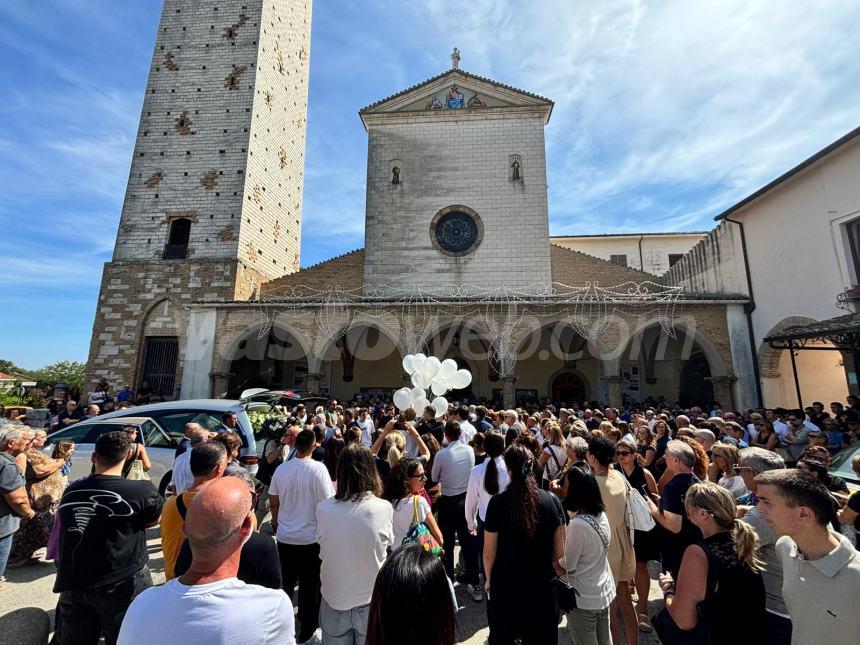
(408, 367)
(431, 367)
(461, 379)
(449, 366)
(419, 379)
(403, 398)
(438, 386)
(440, 405)
(420, 404)
(416, 394)
(418, 361)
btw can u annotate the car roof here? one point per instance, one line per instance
(128, 420)
(214, 405)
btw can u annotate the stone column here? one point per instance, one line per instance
(613, 391)
(723, 391)
(312, 382)
(509, 393)
(220, 381)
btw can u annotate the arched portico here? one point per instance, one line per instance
(365, 360)
(274, 358)
(689, 368)
(819, 368)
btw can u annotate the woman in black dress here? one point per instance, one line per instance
(523, 536)
(644, 542)
(714, 574)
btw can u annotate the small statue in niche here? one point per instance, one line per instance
(395, 175)
(515, 170)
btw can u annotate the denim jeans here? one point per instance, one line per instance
(83, 615)
(343, 627)
(5, 549)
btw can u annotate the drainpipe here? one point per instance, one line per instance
(641, 262)
(749, 308)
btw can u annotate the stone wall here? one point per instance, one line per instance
(714, 266)
(447, 162)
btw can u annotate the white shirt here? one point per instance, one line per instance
(467, 431)
(781, 429)
(477, 497)
(556, 461)
(182, 477)
(219, 613)
(300, 484)
(452, 468)
(353, 537)
(587, 565)
(367, 431)
(403, 511)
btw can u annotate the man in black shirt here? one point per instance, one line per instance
(675, 532)
(428, 423)
(103, 558)
(72, 414)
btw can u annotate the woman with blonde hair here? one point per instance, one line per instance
(726, 457)
(714, 574)
(554, 455)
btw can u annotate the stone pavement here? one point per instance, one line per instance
(31, 587)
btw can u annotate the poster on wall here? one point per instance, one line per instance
(630, 382)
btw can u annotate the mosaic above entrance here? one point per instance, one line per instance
(455, 98)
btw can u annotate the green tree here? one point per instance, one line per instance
(8, 367)
(71, 373)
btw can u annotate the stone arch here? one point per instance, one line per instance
(597, 347)
(324, 345)
(280, 345)
(589, 391)
(768, 357)
(162, 317)
(716, 360)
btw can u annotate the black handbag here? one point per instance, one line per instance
(565, 594)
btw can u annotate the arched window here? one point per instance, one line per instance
(177, 240)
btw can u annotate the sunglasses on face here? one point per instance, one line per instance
(419, 476)
(622, 453)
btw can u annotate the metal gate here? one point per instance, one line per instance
(159, 363)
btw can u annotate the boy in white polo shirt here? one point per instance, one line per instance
(820, 568)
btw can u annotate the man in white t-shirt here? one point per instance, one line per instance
(354, 531)
(298, 485)
(467, 430)
(182, 477)
(209, 604)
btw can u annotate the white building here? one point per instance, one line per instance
(793, 247)
(650, 252)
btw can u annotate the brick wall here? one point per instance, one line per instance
(344, 271)
(574, 269)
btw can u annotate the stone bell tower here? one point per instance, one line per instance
(213, 206)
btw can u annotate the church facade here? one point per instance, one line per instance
(204, 296)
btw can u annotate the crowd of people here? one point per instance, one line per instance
(557, 511)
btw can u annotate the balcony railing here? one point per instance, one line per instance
(175, 251)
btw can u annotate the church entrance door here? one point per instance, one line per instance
(569, 388)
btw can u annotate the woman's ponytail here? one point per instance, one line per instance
(745, 538)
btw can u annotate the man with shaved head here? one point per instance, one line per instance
(202, 604)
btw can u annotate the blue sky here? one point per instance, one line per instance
(665, 114)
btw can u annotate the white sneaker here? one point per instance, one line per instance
(476, 591)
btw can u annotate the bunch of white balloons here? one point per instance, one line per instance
(428, 372)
